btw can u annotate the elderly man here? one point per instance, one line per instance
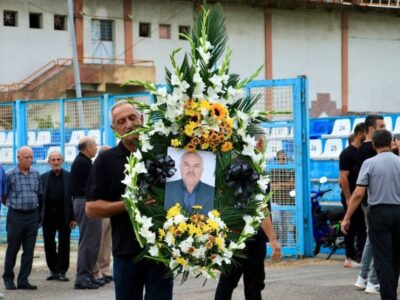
(57, 217)
(189, 190)
(89, 230)
(104, 194)
(378, 175)
(22, 199)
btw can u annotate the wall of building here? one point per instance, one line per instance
(24, 50)
(374, 64)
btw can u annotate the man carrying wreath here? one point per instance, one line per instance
(104, 194)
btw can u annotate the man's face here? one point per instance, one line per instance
(92, 149)
(191, 169)
(281, 158)
(25, 158)
(380, 124)
(55, 161)
(125, 119)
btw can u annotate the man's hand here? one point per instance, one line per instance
(345, 225)
(150, 202)
(276, 250)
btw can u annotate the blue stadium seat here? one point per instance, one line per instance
(320, 127)
(39, 152)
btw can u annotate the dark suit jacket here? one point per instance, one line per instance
(174, 193)
(68, 214)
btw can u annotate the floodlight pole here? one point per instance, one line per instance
(75, 62)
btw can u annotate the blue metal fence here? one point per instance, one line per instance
(60, 123)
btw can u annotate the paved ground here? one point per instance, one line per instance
(308, 279)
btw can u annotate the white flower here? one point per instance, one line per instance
(204, 237)
(185, 245)
(250, 140)
(235, 94)
(179, 219)
(146, 146)
(204, 54)
(241, 132)
(162, 92)
(242, 116)
(149, 235)
(176, 252)
(249, 230)
(248, 219)
(140, 168)
(259, 197)
(208, 46)
(168, 224)
(212, 95)
(248, 150)
(200, 252)
(160, 128)
(175, 80)
(198, 91)
(257, 158)
(153, 251)
(217, 259)
(146, 222)
(234, 246)
(197, 78)
(127, 180)
(169, 239)
(228, 254)
(263, 182)
(154, 106)
(138, 155)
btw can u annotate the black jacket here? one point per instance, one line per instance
(68, 210)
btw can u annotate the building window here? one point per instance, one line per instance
(60, 22)
(165, 31)
(35, 20)
(183, 30)
(145, 30)
(10, 18)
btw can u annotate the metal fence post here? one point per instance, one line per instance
(20, 133)
(109, 134)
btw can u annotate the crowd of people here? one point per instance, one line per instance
(371, 199)
(90, 196)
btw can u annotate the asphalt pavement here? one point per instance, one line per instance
(308, 279)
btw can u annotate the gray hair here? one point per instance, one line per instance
(194, 153)
(55, 152)
(114, 106)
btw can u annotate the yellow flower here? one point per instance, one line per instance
(218, 110)
(161, 233)
(181, 261)
(190, 147)
(204, 146)
(197, 207)
(205, 134)
(204, 104)
(215, 213)
(229, 122)
(227, 146)
(172, 229)
(209, 245)
(206, 228)
(219, 242)
(213, 224)
(189, 128)
(195, 140)
(193, 230)
(182, 227)
(174, 211)
(175, 143)
(190, 113)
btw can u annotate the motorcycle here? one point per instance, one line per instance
(326, 223)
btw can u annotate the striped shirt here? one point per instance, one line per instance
(23, 190)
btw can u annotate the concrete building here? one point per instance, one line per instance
(348, 50)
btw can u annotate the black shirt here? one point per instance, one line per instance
(80, 170)
(347, 162)
(365, 151)
(105, 183)
(55, 192)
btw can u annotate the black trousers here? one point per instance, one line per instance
(357, 233)
(22, 230)
(384, 233)
(57, 258)
(252, 269)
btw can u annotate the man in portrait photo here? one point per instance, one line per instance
(190, 190)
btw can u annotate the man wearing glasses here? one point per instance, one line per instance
(57, 217)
